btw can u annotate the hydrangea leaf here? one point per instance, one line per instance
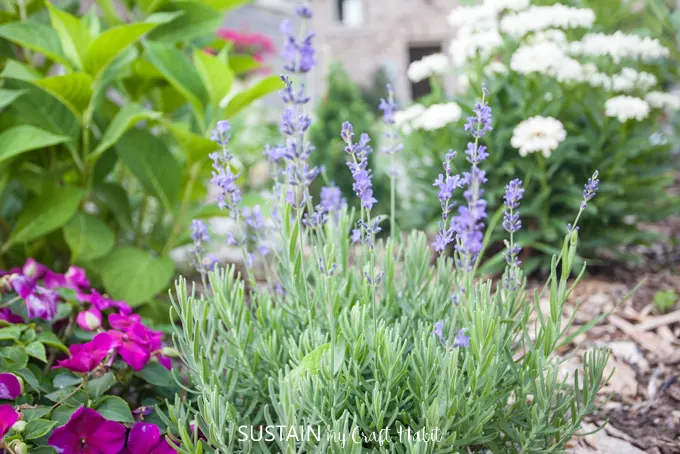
(196, 21)
(260, 89)
(114, 408)
(133, 275)
(73, 34)
(215, 73)
(88, 237)
(49, 211)
(111, 43)
(156, 168)
(37, 37)
(124, 119)
(23, 138)
(113, 196)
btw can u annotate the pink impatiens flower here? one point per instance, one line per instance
(136, 342)
(8, 416)
(86, 357)
(146, 438)
(10, 386)
(88, 432)
(10, 317)
(90, 319)
(103, 303)
(40, 302)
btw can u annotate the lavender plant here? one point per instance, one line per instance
(370, 347)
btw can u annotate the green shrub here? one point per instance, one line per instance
(103, 135)
(580, 91)
(373, 347)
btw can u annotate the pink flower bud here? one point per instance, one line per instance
(90, 319)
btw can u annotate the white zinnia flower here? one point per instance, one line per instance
(629, 79)
(552, 35)
(661, 100)
(538, 133)
(546, 58)
(477, 18)
(428, 66)
(469, 44)
(437, 116)
(538, 18)
(403, 119)
(619, 46)
(623, 108)
(495, 68)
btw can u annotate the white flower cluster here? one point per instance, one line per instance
(619, 46)
(538, 18)
(512, 5)
(428, 66)
(629, 80)
(661, 100)
(428, 119)
(470, 44)
(495, 68)
(536, 134)
(475, 18)
(551, 35)
(546, 58)
(624, 108)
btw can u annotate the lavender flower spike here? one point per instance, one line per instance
(359, 151)
(590, 189)
(511, 220)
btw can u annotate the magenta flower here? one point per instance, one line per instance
(33, 269)
(76, 278)
(10, 386)
(133, 345)
(40, 302)
(102, 302)
(85, 357)
(123, 322)
(10, 317)
(88, 432)
(90, 319)
(146, 438)
(7, 419)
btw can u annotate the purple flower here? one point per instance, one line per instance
(199, 231)
(359, 151)
(10, 386)
(298, 53)
(8, 416)
(513, 194)
(437, 331)
(90, 319)
(355, 237)
(8, 316)
(146, 438)
(76, 278)
(331, 199)
(103, 303)
(88, 432)
(86, 357)
(590, 189)
(40, 302)
(199, 234)
(461, 339)
(304, 12)
(220, 134)
(480, 122)
(388, 106)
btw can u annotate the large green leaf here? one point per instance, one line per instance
(19, 139)
(177, 69)
(36, 36)
(224, 5)
(7, 97)
(88, 237)
(242, 64)
(196, 20)
(124, 119)
(20, 71)
(51, 210)
(73, 90)
(111, 43)
(195, 147)
(152, 163)
(41, 109)
(73, 34)
(260, 89)
(114, 408)
(133, 275)
(215, 73)
(113, 196)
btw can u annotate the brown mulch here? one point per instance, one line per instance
(641, 402)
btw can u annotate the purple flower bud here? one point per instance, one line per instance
(462, 340)
(590, 189)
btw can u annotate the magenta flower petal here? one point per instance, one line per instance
(143, 438)
(10, 317)
(42, 303)
(7, 419)
(88, 432)
(10, 386)
(76, 278)
(163, 447)
(123, 322)
(85, 357)
(23, 285)
(54, 280)
(90, 319)
(33, 269)
(134, 354)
